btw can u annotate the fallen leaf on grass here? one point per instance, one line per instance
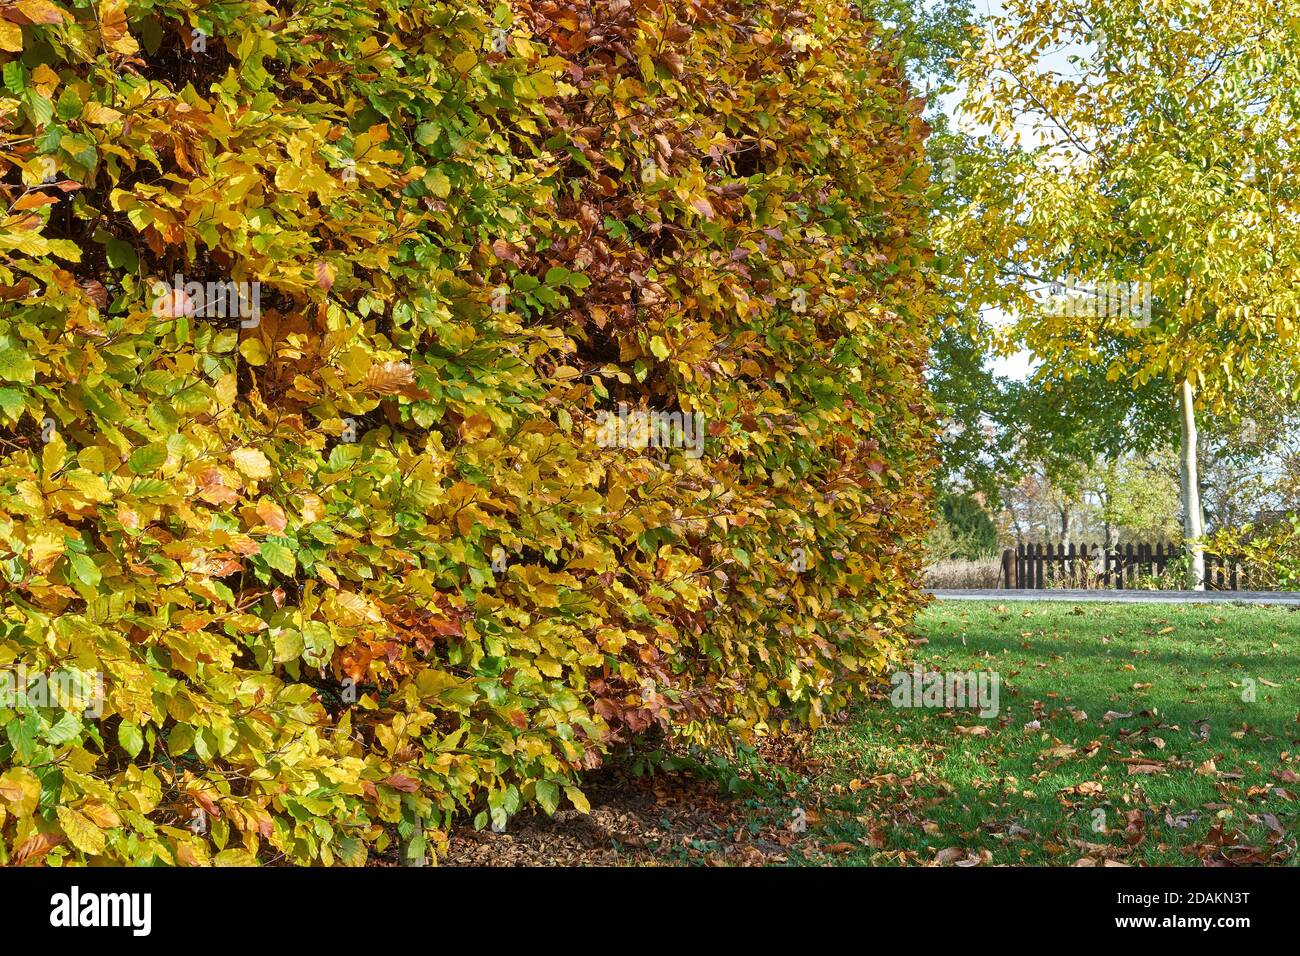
(1271, 822)
(1089, 861)
(1147, 768)
(1089, 788)
(1100, 851)
(953, 856)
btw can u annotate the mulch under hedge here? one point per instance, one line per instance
(674, 817)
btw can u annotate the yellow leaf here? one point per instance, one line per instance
(99, 114)
(42, 11)
(102, 815)
(11, 37)
(254, 352)
(112, 23)
(438, 184)
(81, 833)
(251, 462)
(44, 547)
(91, 486)
(21, 791)
(578, 799)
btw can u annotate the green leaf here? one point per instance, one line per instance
(39, 107)
(16, 366)
(66, 728)
(548, 795)
(15, 77)
(148, 458)
(129, 738)
(279, 557)
(12, 404)
(180, 739)
(69, 105)
(21, 732)
(85, 569)
(121, 255)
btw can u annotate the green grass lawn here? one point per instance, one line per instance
(1144, 752)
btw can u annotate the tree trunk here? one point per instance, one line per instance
(1189, 476)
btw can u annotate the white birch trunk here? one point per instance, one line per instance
(1189, 475)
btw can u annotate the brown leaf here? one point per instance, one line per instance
(1089, 788)
(393, 378)
(475, 428)
(272, 516)
(35, 847)
(703, 207)
(325, 275)
(104, 817)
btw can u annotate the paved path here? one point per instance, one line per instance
(1123, 597)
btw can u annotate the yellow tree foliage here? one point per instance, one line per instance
(1137, 206)
(1150, 178)
(331, 499)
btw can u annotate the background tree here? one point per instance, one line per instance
(995, 427)
(1162, 161)
(1137, 498)
(970, 526)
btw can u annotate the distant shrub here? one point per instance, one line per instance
(1268, 556)
(969, 527)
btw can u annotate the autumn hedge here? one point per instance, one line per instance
(362, 554)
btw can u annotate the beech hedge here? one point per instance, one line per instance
(405, 403)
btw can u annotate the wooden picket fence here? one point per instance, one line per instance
(1036, 566)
